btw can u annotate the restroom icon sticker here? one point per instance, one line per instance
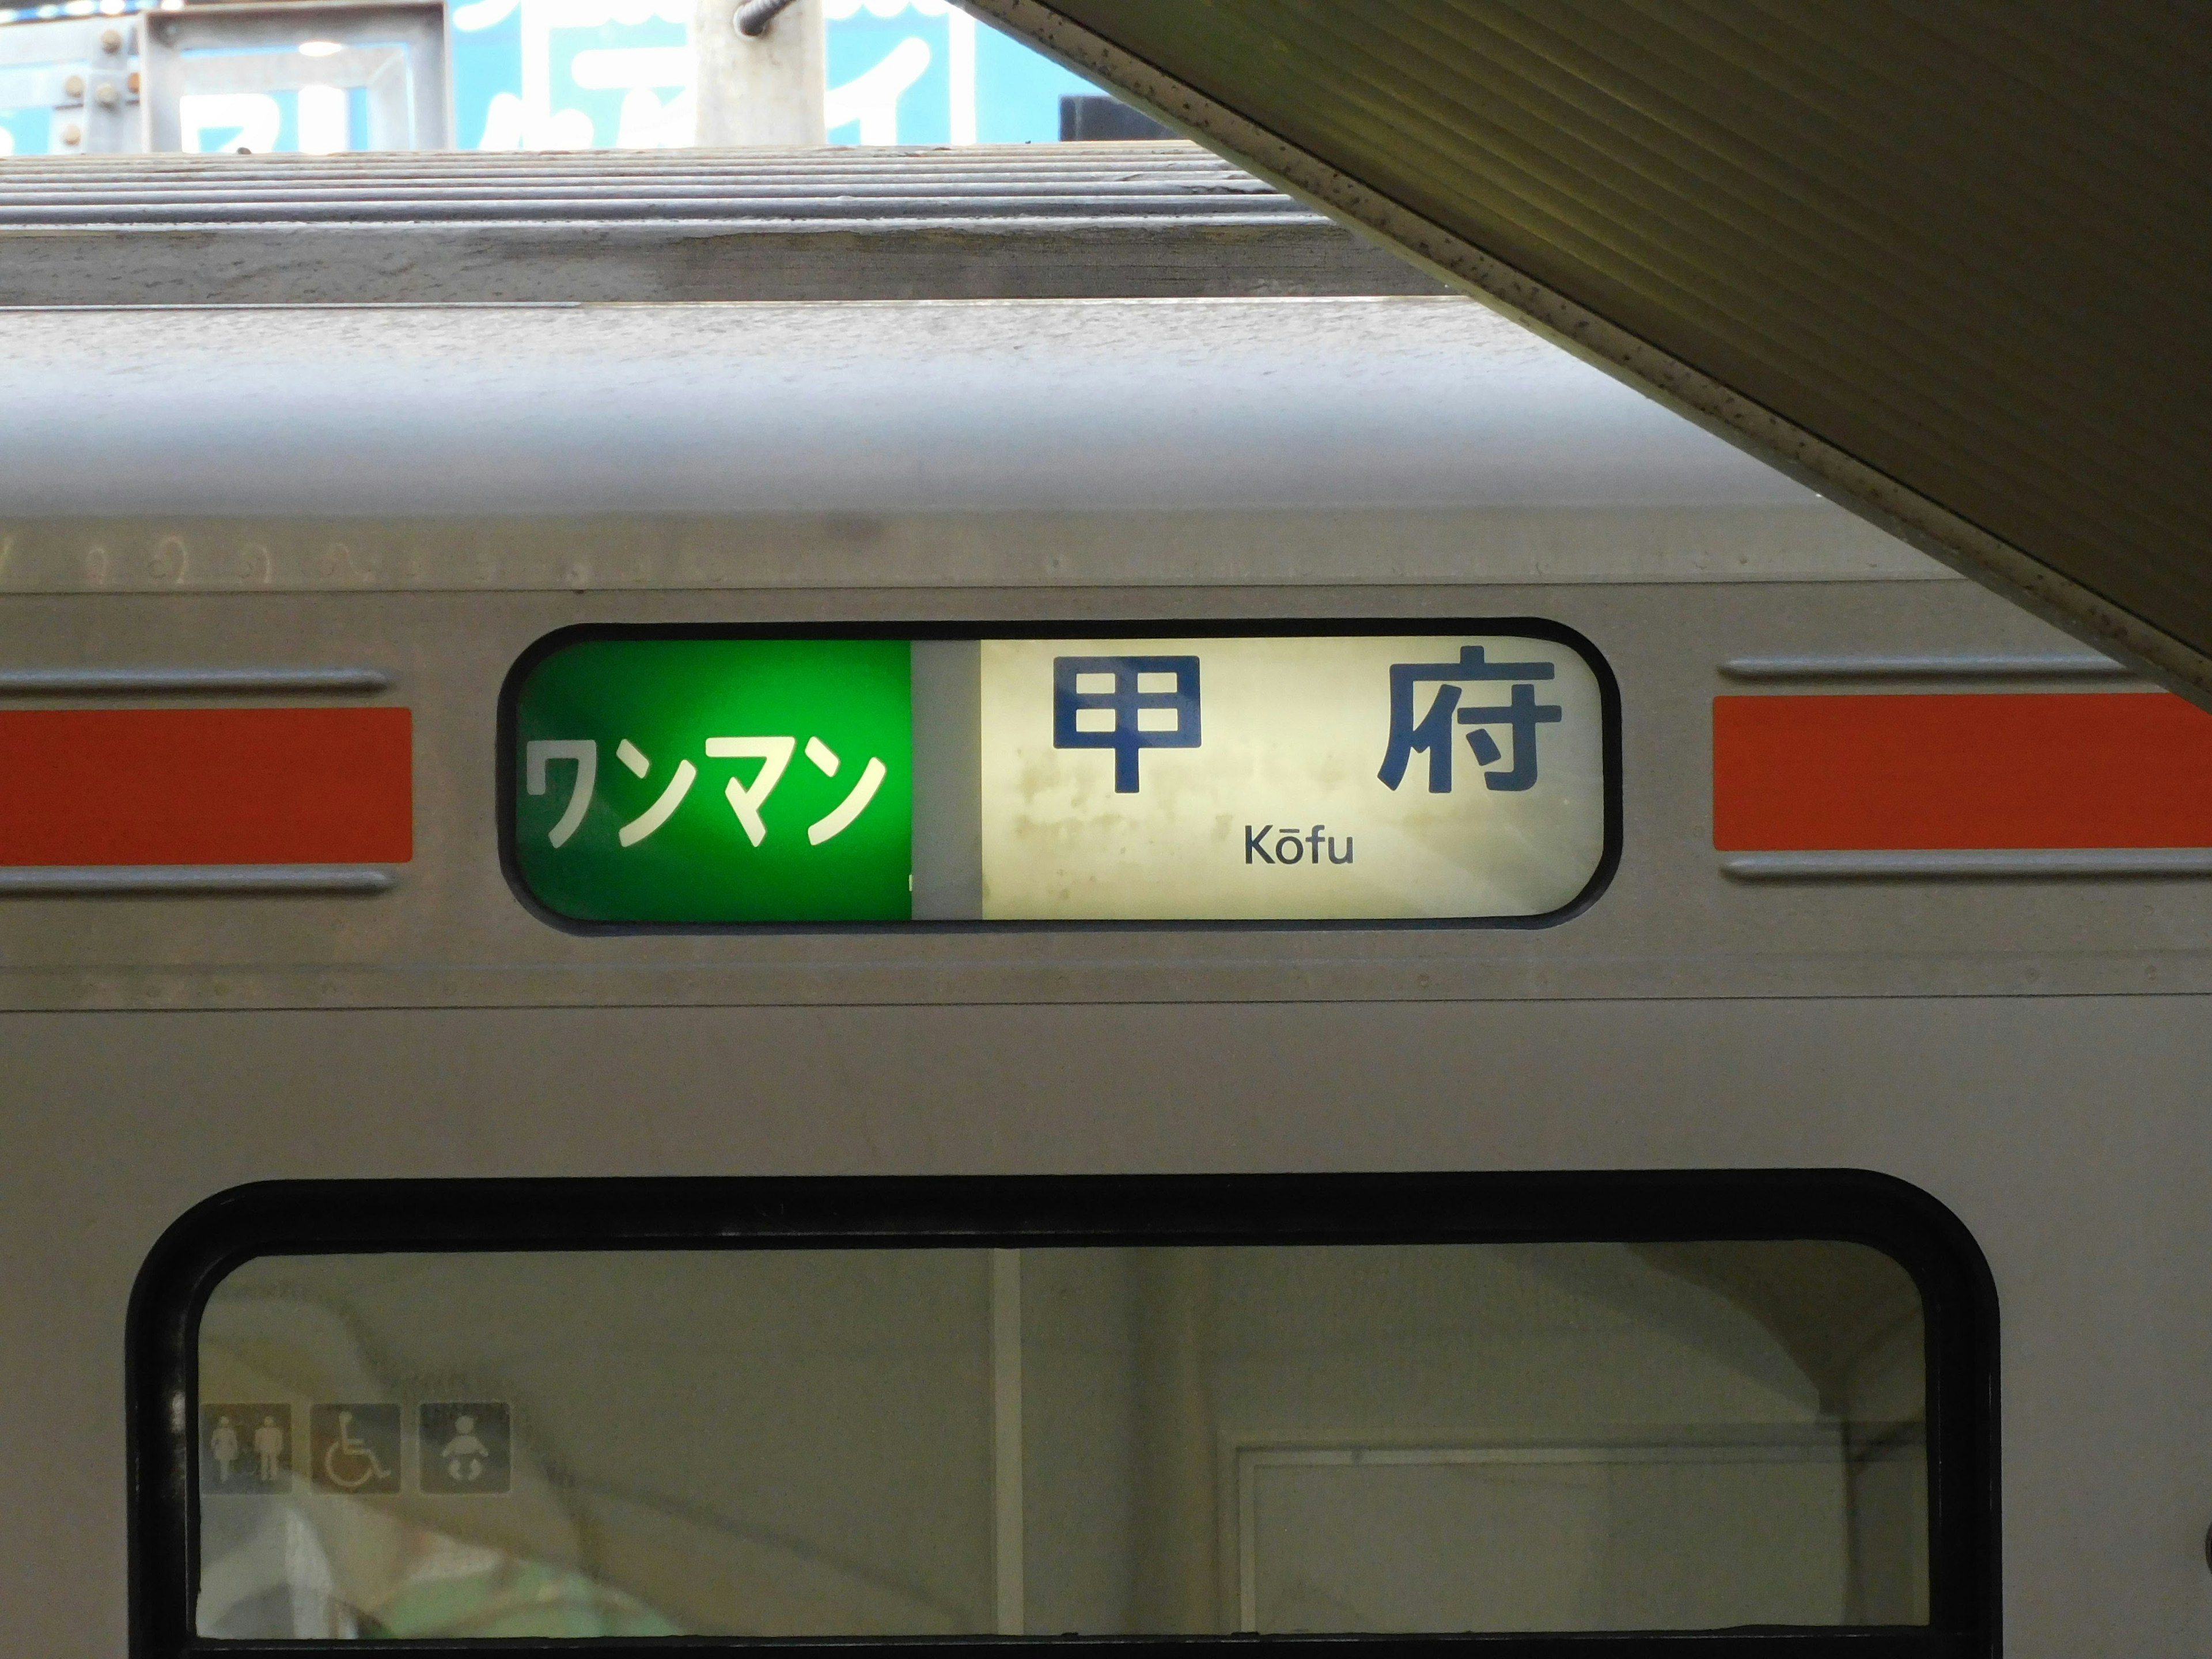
(466, 1447)
(245, 1450)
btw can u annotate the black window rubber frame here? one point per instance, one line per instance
(1530, 627)
(346, 1216)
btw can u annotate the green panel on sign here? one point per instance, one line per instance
(717, 780)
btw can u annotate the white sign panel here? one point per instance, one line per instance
(1395, 777)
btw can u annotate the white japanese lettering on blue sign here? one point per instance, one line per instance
(617, 73)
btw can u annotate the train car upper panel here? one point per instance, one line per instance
(265, 574)
(805, 410)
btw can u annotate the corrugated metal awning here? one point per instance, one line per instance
(1955, 263)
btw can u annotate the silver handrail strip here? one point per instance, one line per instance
(794, 214)
(197, 682)
(2013, 864)
(57, 881)
(1937, 665)
(827, 187)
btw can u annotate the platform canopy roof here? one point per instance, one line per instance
(1951, 264)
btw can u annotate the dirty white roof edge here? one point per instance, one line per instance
(874, 407)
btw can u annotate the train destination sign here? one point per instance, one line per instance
(659, 777)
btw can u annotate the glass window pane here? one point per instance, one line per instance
(1146, 1440)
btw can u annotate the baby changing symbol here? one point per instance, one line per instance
(467, 1447)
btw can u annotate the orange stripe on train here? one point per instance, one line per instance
(206, 786)
(1882, 772)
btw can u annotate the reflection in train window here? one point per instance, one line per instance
(1148, 1440)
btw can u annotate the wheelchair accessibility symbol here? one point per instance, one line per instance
(353, 1448)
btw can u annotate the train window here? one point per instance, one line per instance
(1133, 1408)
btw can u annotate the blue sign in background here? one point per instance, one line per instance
(615, 74)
